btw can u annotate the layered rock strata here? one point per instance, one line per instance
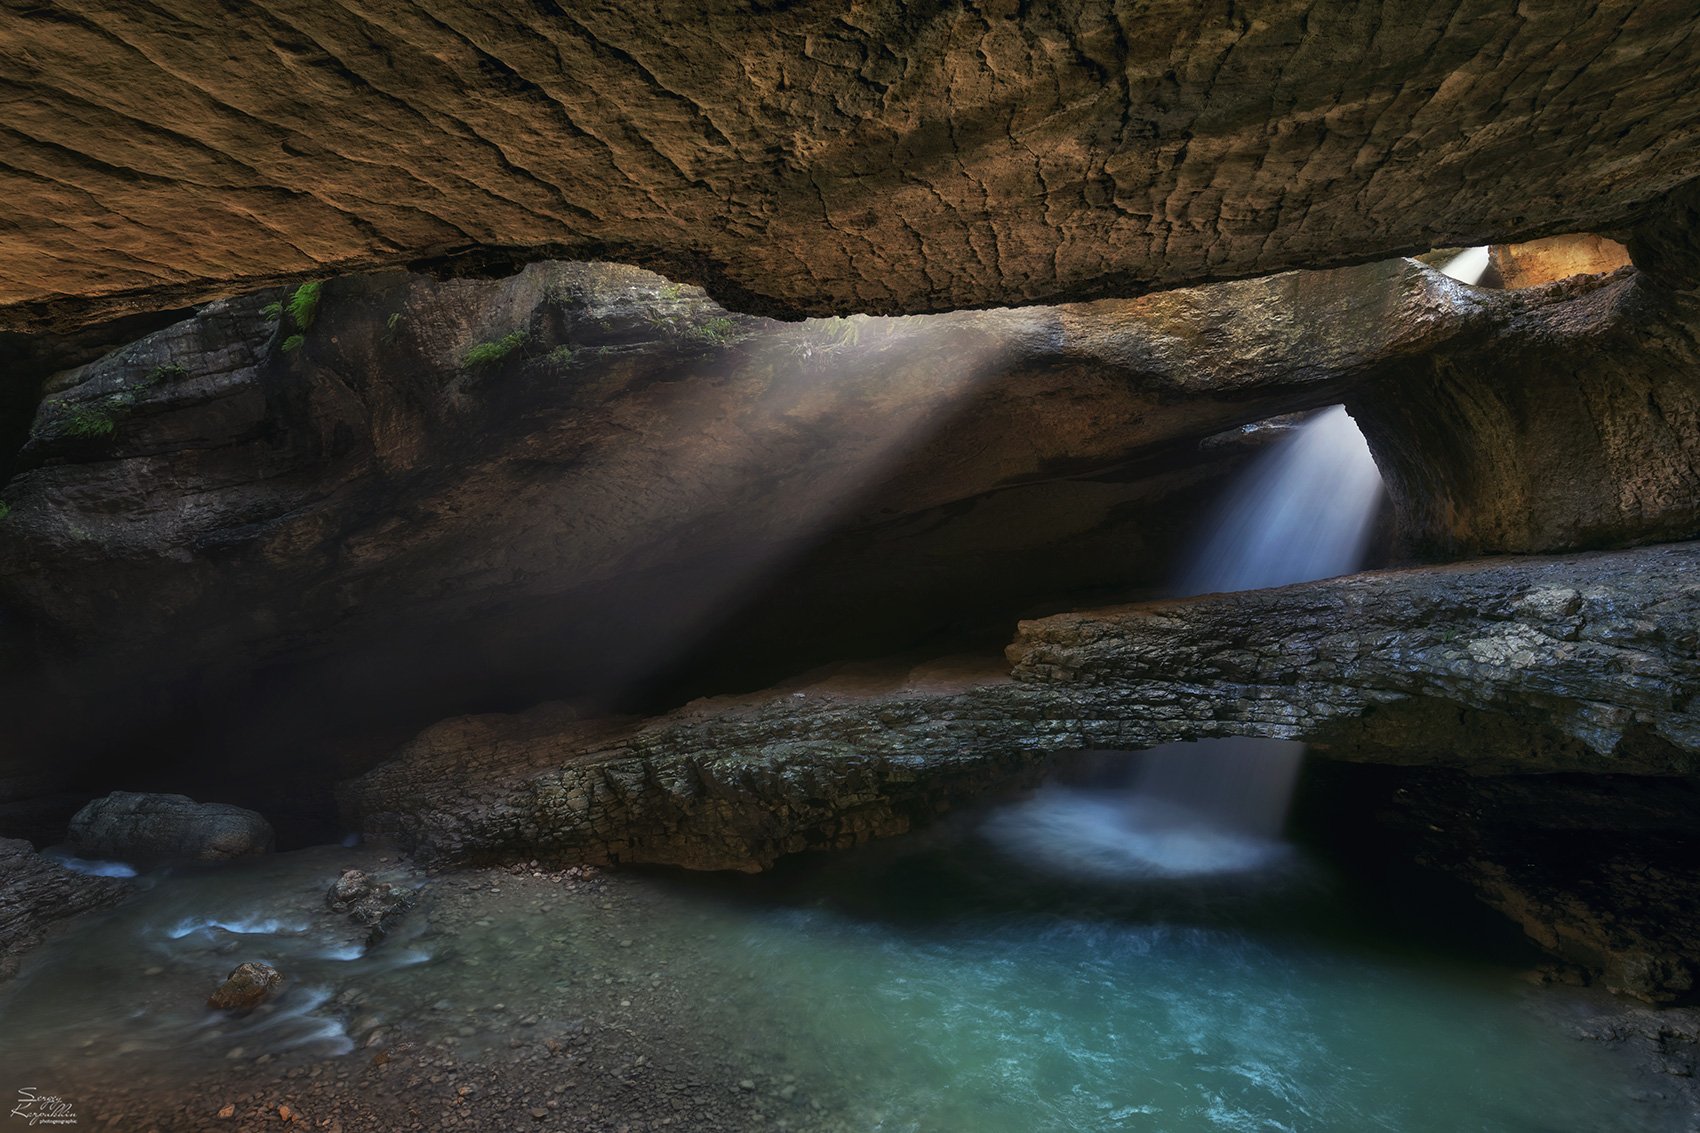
(35, 892)
(1583, 663)
(804, 159)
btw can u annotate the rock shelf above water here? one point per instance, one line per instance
(1581, 663)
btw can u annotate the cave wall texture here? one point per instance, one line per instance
(816, 157)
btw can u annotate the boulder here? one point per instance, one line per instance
(248, 985)
(150, 826)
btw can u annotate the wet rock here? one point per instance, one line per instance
(1598, 870)
(1582, 663)
(373, 905)
(153, 826)
(348, 889)
(36, 891)
(248, 985)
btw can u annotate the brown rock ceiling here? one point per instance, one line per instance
(815, 157)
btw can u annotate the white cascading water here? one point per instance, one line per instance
(1304, 510)
(1468, 266)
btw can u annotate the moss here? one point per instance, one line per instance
(489, 353)
(673, 292)
(5, 509)
(563, 355)
(169, 372)
(304, 304)
(87, 421)
(293, 342)
(719, 331)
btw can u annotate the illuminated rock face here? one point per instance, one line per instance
(816, 159)
(1555, 258)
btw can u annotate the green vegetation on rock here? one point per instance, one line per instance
(168, 372)
(718, 331)
(293, 342)
(489, 353)
(304, 304)
(89, 421)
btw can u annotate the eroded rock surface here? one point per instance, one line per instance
(35, 892)
(1583, 663)
(885, 158)
(149, 827)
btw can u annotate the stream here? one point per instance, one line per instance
(986, 976)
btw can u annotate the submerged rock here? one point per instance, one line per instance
(373, 905)
(130, 825)
(247, 986)
(36, 891)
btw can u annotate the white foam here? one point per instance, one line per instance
(253, 926)
(1118, 836)
(93, 867)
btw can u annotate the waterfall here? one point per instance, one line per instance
(1468, 266)
(1303, 510)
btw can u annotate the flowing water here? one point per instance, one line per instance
(945, 983)
(1304, 510)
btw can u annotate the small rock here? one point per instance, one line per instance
(227, 1111)
(247, 986)
(347, 889)
(747, 1085)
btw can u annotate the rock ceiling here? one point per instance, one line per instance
(814, 157)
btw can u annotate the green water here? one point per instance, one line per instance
(967, 981)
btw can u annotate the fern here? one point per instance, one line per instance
(304, 304)
(293, 342)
